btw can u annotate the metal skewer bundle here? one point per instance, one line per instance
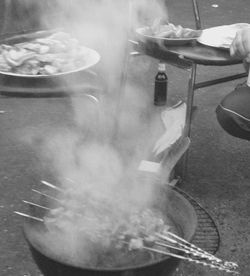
(52, 186)
(194, 250)
(162, 243)
(192, 259)
(194, 253)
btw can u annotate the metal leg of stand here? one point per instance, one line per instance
(187, 130)
(190, 99)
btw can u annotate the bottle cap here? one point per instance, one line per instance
(162, 67)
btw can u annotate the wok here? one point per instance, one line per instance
(170, 202)
(14, 82)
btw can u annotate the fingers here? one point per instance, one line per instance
(237, 48)
(241, 44)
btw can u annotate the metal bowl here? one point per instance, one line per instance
(172, 203)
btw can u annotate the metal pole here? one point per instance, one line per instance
(190, 99)
(187, 130)
(196, 15)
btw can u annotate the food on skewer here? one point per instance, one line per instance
(97, 220)
(115, 235)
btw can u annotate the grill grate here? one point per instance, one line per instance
(207, 236)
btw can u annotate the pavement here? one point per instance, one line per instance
(218, 174)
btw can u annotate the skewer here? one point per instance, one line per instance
(197, 254)
(37, 205)
(133, 41)
(211, 265)
(187, 245)
(51, 186)
(166, 253)
(28, 216)
(192, 245)
(188, 248)
(48, 196)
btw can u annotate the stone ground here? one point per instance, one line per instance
(218, 171)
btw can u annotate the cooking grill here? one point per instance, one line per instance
(207, 235)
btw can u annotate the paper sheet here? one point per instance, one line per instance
(174, 121)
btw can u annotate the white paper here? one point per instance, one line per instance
(174, 121)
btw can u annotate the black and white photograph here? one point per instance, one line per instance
(124, 137)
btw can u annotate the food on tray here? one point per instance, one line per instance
(49, 55)
(169, 30)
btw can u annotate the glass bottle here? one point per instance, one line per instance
(161, 86)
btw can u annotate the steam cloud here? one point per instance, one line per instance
(112, 134)
(89, 153)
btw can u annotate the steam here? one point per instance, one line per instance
(113, 131)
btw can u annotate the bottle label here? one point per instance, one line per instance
(161, 77)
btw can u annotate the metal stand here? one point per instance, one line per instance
(187, 57)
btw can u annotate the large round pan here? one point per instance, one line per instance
(13, 83)
(174, 206)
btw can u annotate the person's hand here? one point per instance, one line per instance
(241, 44)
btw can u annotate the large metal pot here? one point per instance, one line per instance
(172, 203)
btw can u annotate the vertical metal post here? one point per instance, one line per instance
(196, 14)
(190, 99)
(187, 130)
